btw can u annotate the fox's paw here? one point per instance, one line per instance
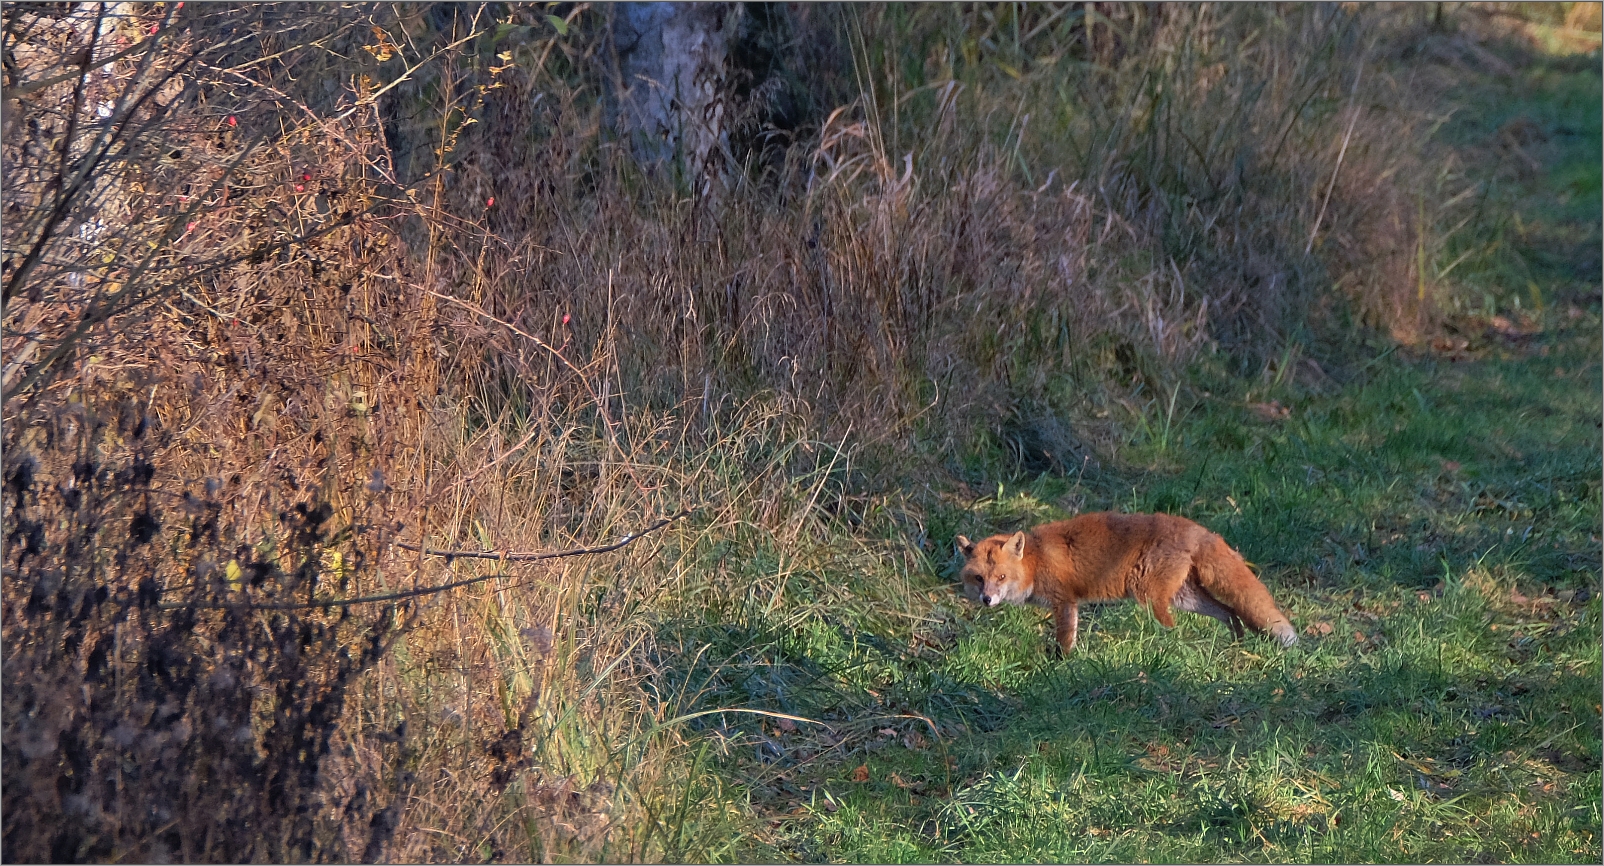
(1057, 650)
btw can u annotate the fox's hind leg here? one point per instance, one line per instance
(1194, 598)
(1161, 612)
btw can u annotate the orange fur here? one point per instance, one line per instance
(1159, 560)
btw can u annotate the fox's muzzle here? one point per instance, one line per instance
(990, 600)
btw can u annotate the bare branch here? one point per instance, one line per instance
(502, 556)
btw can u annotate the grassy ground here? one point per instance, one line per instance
(1432, 529)
(1430, 521)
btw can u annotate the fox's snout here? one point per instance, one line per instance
(990, 600)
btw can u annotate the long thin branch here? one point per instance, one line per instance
(97, 152)
(1353, 108)
(23, 89)
(481, 312)
(502, 556)
(535, 556)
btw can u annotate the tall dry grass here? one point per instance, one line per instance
(961, 225)
(980, 241)
(994, 218)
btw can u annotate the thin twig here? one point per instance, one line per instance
(480, 311)
(373, 97)
(1353, 119)
(534, 556)
(501, 556)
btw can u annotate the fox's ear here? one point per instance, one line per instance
(965, 546)
(1015, 546)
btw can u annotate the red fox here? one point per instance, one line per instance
(1159, 560)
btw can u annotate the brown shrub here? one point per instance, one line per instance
(210, 377)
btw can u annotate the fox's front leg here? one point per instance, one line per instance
(1066, 622)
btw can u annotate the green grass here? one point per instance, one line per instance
(1430, 521)
(1430, 713)
(1521, 230)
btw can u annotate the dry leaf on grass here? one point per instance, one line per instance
(1271, 411)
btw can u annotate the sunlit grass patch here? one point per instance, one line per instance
(1443, 703)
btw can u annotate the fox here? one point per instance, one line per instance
(1159, 560)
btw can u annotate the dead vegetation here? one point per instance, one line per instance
(284, 285)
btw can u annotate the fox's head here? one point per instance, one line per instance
(994, 569)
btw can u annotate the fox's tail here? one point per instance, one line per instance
(1226, 576)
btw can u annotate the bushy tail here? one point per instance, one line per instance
(1226, 576)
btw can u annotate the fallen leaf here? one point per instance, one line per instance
(786, 725)
(861, 774)
(1271, 411)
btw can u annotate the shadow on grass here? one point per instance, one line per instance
(1182, 741)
